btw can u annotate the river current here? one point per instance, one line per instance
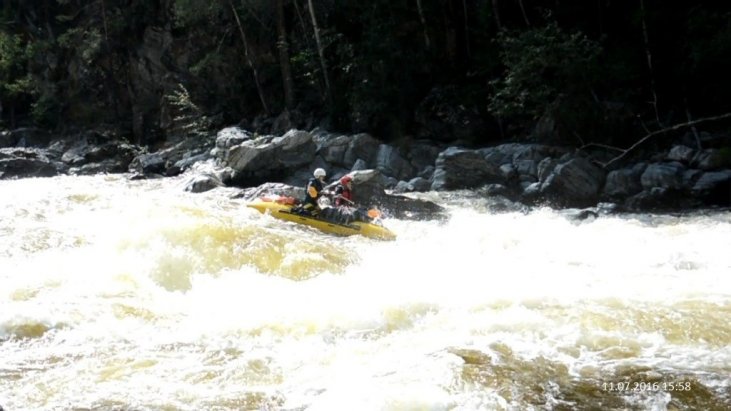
(136, 295)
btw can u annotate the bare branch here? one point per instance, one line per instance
(663, 131)
(604, 146)
(249, 59)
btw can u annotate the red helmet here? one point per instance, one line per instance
(346, 179)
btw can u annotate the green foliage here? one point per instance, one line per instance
(85, 42)
(46, 111)
(14, 56)
(540, 65)
(378, 68)
(384, 58)
(194, 12)
(210, 63)
(188, 118)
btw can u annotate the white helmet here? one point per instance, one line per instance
(319, 173)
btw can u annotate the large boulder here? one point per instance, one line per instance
(230, 137)
(148, 163)
(390, 162)
(712, 159)
(25, 162)
(271, 189)
(25, 137)
(681, 153)
(714, 188)
(271, 157)
(83, 153)
(8, 139)
(624, 182)
(332, 149)
(575, 183)
(362, 146)
(660, 199)
(461, 168)
(663, 175)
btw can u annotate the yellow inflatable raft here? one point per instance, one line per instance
(281, 208)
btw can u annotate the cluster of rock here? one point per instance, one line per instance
(529, 173)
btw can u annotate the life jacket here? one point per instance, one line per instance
(341, 191)
(313, 191)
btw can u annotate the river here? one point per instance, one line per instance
(135, 295)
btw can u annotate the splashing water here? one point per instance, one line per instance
(122, 294)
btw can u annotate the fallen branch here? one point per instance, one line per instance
(654, 133)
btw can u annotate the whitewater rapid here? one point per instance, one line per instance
(137, 295)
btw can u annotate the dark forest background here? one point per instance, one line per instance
(477, 71)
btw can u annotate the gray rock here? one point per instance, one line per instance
(423, 154)
(8, 139)
(403, 187)
(231, 136)
(497, 190)
(527, 167)
(711, 180)
(531, 192)
(420, 184)
(681, 153)
(691, 176)
(574, 183)
(148, 164)
(663, 175)
(623, 182)
(332, 149)
(292, 150)
(25, 162)
(29, 137)
(361, 146)
(427, 173)
(187, 162)
(202, 183)
(714, 188)
(359, 164)
(271, 189)
(712, 159)
(508, 171)
(390, 162)
(659, 199)
(460, 168)
(545, 168)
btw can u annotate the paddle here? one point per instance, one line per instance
(374, 213)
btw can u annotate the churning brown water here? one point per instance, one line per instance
(121, 295)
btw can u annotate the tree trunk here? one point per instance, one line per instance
(104, 20)
(648, 54)
(600, 17)
(47, 18)
(522, 10)
(249, 61)
(423, 23)
(320, 50)
(283, 47)
(301, 19)
(496, 12)
(466, 29)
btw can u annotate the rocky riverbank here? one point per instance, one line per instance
(679, 179)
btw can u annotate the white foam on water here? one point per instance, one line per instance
(140, 293)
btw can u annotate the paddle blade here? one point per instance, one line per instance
(374, 213)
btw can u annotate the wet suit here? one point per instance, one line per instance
(347, 209)
(313, 191)
(343, 195)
